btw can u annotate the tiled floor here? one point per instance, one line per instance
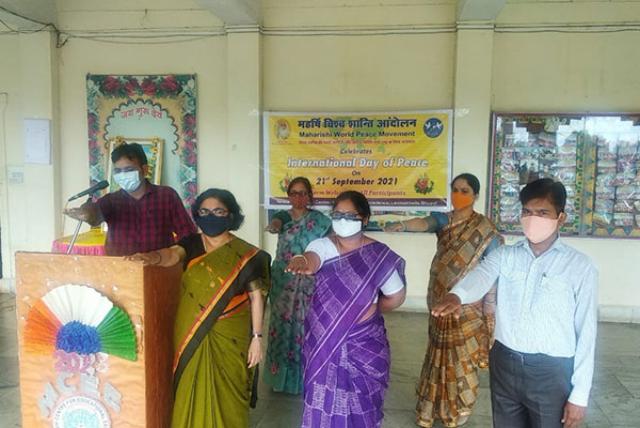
(615, 401)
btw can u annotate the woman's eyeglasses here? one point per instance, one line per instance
(296, 194)
(218, 212)
(336, 215)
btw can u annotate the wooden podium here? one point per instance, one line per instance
(64, 388)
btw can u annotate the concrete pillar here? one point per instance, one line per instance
(472, 104)
(244, 101)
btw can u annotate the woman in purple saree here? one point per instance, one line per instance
(346, 353)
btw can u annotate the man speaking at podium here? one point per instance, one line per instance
(141, 216)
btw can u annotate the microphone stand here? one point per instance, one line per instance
(74, 237)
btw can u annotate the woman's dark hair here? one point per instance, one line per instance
(357, 199)
(305, 182)
(545, 188)
(227, 199)
(471, 180)
(133, 151)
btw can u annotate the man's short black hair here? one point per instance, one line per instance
(545, 188)
(133, 151)
(227, 199)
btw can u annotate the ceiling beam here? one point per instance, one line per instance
(234, 12)
(479, 10)
(14, 12)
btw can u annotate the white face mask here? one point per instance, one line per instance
(129, 181)
(345, 228)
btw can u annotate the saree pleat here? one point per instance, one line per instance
(216, 385)
(448, 385)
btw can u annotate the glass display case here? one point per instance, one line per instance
(596, 157)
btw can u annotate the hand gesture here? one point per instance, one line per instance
(77, 213)
(395, 226)
(449, 305)
(148, 259)
(274, 227)
(299, 265)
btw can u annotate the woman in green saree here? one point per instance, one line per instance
(218, 328)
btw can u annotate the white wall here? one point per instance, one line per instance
(578, 72)
(9, 131)
(527, 72)
(369, 74)
(339, 55)
(28, 83)
(205, 57)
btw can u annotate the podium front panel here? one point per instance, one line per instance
(83, 361)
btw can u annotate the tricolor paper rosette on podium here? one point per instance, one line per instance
(79, 319)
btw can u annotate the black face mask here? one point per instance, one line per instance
(212, 225)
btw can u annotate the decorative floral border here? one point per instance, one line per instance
(180, 87)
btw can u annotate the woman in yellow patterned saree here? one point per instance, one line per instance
(448, 385)
(218, 328)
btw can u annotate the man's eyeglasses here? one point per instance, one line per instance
(218, 212)
(336, 215)
(296, 194)
(125, 169)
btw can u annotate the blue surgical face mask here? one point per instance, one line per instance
(129, 181)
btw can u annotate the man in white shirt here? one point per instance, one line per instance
(541, 364)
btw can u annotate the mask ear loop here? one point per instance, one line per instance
(363, 225)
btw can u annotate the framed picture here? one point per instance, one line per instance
(152, 148)
(595, 155)
(156, 105)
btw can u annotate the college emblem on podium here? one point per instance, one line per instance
(81, 329)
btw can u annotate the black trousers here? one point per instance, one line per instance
(528, 390)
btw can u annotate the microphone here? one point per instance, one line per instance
(98, 186)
